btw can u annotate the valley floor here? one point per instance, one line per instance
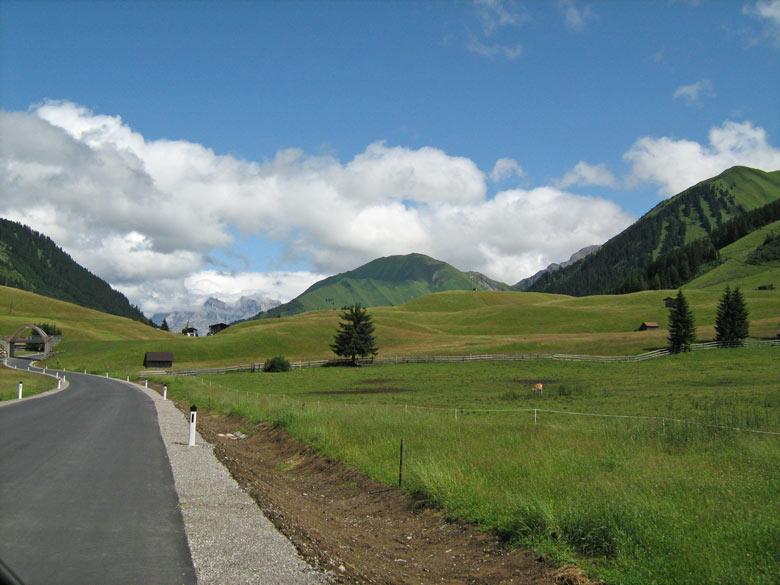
(674, 498)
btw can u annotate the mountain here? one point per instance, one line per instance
(392, 280)
(31, 261)
(680, 232)
(215, 311)
(526, 283)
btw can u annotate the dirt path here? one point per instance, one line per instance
(362, 531)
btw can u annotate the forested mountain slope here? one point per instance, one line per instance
(31, 261)
(692, 217)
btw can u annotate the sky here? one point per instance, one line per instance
(182, 150)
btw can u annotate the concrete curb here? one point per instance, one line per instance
(230, 539)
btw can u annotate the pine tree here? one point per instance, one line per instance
(164, 325)
(740, 313)
(731, 321)
(682, 330)
(355, 336)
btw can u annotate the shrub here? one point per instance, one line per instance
(277, 364)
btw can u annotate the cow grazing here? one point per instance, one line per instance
(537, 388)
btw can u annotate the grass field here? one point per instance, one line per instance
(33, 384)
(634, 501)
(443, 323)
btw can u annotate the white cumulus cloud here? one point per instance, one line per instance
(148, 215)
(768, 13)
(676, 164)
(506, 168)
(584, 173)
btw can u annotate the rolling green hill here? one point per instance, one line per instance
(31, 261)
(391, 280)
(696, 213)
(452, 322)
(20, 307)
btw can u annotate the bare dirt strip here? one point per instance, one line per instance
(358, 530)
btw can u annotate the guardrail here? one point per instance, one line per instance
(432, 359)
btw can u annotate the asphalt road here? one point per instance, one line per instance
(86, 490)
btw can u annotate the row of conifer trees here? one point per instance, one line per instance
(731, 321)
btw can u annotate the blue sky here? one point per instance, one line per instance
(547, 85)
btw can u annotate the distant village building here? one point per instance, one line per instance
(670, 302)
(216, 328)
(158, 359)
(190, 331)
(648, 325)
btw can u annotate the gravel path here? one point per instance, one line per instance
(230, 539)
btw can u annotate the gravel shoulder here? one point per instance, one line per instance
(230, 539)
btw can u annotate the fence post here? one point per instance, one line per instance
(534, 416)
(401, 465)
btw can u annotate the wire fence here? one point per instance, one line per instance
(434, 359)
(217, 394)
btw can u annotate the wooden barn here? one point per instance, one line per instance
(158, 359)
(648, 325)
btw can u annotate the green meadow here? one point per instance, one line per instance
(675, 498)
(448, 323)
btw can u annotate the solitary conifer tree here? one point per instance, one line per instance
(355, 336)
(731, 321)
(682, 330)
(164, 325)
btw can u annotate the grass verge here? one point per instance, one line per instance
(33, 384)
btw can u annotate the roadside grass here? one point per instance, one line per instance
(33, 384)
(635, 501)
(452, 323)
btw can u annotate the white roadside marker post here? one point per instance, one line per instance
(193, 419)
(146, 383)
(20, 390)
(59, 384)
(165, 391)
(128, 378)
(106, 374)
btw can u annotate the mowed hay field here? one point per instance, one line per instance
(451, 323)
(632, 500)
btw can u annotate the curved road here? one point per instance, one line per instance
(86, 490)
